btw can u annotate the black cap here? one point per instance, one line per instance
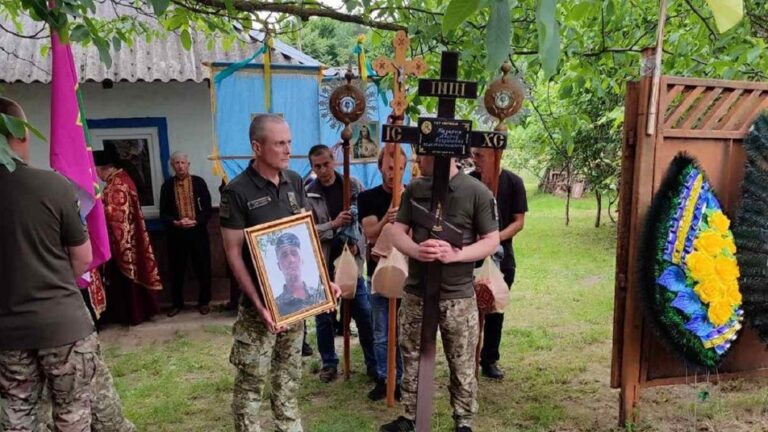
(287, 239)
(108, 156)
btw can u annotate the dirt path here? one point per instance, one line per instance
(162, 329)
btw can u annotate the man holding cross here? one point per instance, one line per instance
(470, 209)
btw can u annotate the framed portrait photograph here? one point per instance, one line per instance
(289, 263)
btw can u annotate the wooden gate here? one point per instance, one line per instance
(707, 119)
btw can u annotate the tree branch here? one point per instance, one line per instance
(36, 35)
(701, 17)
(300, 10)
(13, 54)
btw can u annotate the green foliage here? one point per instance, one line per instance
(14, 127)
(575, 55)
(498, 33)
(549, 36)
(458, 11)
(160, 6)
(325, 40)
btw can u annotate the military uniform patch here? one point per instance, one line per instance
(224, 207)
(259, 202)
(294, 203)
(83, 219)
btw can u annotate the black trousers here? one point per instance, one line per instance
(184, 245)
(492, 329)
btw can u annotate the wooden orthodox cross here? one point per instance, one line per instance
(443, 137)
(400, 68)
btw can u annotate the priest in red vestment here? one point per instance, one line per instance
(132, 277)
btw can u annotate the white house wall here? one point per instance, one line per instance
(185, 105)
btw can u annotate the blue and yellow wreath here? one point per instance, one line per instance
(690, 273)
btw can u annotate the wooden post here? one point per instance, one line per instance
(654, 102)
(347, 308)
(492, 181)
(401, 68)
(397, 191)
(633, 316)
(347, 104)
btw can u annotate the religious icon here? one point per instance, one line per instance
(365, 141)
(289, 263)
(134, 156)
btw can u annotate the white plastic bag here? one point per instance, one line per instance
(491, 290)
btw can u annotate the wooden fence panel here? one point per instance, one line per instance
(708, 120)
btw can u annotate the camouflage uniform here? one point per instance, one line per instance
(471, 209)
(106, 408)
(459, 330)
(69, 370)
(255, 352)
(288, 304)
(249, 200)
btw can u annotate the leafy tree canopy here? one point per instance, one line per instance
(574, 55)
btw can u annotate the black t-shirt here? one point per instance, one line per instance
(334, 196)
(511, 200)
(40, 305)
(373, 202)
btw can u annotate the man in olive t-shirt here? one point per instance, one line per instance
(47, 332)
(471, 209)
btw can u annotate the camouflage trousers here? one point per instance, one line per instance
(68, 370)
(458, 324)
(106, 408)
(262, 353)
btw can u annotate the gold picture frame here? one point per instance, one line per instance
(287, 251)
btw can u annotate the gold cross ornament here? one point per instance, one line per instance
(401, 68)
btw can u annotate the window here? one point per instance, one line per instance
(139, 149)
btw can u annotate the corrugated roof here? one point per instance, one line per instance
(162, 59)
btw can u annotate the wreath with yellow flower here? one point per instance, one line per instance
(692, 285)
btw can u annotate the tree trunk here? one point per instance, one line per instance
(611, 202)
(599, 199)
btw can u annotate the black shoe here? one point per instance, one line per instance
(402, 424)
(492, 371)
(306, 350)
(371, 373)
(328, 374)
(173, 312)
(379, 392)
(463, 429)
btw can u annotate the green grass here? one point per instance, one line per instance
(555, 352)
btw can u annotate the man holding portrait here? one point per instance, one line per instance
(266, 191)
